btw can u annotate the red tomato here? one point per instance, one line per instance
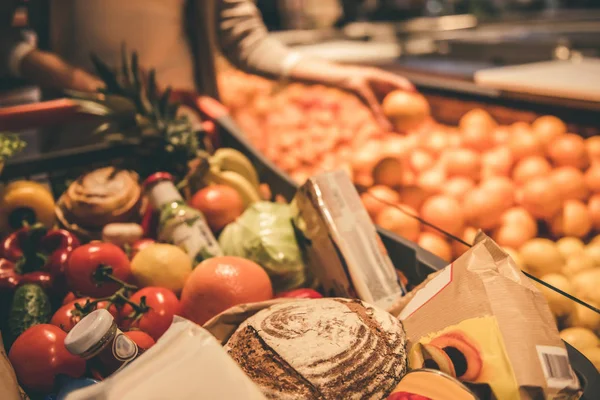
(69, 298)
(39, 355)
(139, 245)
(162, 306)
(88, 263)
(142, 339)
(66, 317)
(300, 294)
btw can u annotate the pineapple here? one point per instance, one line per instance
(138, 113)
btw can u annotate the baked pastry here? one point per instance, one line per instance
(321, 349)
(98, 198)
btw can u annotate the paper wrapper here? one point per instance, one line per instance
(485, 307)
(340, 242)
(9, 387)
(185, 363)
(225, 324)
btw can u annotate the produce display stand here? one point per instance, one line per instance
(67, 163)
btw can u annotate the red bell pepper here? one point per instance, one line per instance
(36, 255)
(10, 278)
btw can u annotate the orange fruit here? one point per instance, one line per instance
(436, 245)
(373, 199)
(445, 213)
(220, 205)
(220, 283)
(393, 219)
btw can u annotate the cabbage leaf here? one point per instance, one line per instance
(264, 234)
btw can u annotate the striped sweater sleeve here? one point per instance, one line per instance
(243, 39)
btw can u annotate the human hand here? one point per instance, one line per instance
(48, 70)
(372, 85)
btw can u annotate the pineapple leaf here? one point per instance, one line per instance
(108, 76)
(93, 107)
(163, 102)
(138, 110)
(125, 71)
(135, 69)
(144, 105)
(102, 128)
(152, 87)
(172, 111)
(120, 104)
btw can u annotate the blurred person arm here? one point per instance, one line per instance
(21, 58)
(11, 40)
(244, 40)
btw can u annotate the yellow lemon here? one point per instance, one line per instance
(580, 338)
(163, 265)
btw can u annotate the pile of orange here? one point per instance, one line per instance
(515, 182)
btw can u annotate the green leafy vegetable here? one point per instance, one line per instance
(10, 144)
(265, 235)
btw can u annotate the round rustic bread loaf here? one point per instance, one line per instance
(321, 349)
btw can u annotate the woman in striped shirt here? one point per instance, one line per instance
(179, 38)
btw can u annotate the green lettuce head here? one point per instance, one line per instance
(264, 234)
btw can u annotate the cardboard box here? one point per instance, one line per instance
(484, 309)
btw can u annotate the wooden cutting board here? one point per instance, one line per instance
(571, 79)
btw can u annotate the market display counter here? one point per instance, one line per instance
(414, 262)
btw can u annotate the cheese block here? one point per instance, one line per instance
(321, 349)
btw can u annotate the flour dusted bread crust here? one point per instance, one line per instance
(321, 349)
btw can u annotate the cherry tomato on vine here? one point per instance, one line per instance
(39, 355)
(157, 308)
(95, 269)
(68, 315)
(69, 298)
(142, 339)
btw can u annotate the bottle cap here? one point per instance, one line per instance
(89, 331)
(158, 194)
(157, 177)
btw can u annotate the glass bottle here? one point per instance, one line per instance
(97, 339)
(180, 224)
